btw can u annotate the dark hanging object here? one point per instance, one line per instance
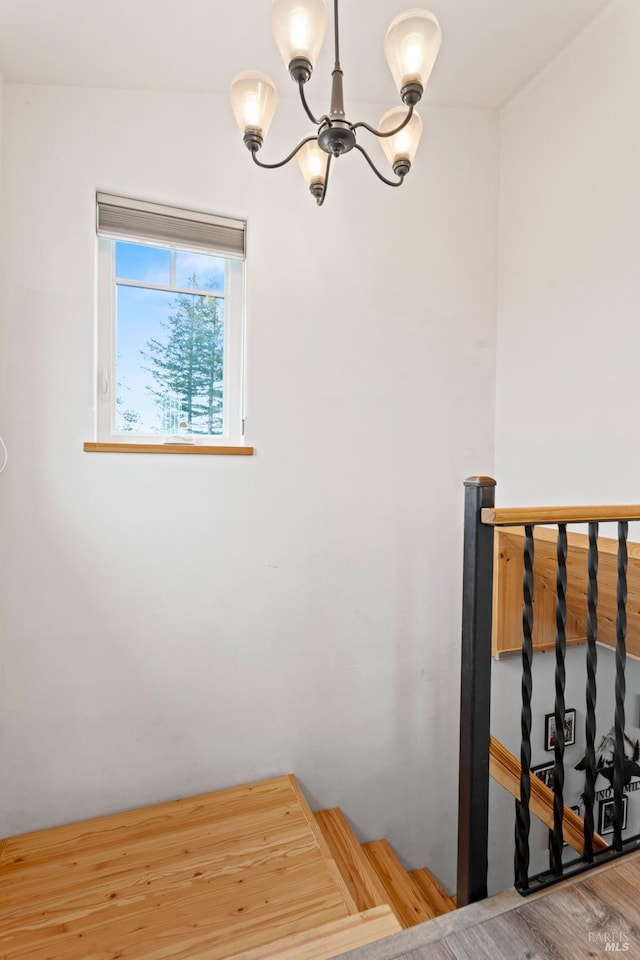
(560, 680)
(620, 686)
(523, 818)
(592, 664)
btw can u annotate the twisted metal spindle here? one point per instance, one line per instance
(592, 664)
(523, 819)
(560, 679)
(620, 686)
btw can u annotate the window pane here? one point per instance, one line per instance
(169, 363)
(199, 270)
(135, 261)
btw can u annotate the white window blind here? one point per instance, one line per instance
(119, 217)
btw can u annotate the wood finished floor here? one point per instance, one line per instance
(196, 879)
(570, 921)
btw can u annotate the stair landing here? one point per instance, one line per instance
(196, 879)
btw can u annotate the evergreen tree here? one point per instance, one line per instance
(188, 368)
(127, 419)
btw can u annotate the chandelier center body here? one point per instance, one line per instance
(336, 139)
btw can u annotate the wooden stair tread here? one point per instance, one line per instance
(360, 877)
(435, 895)
(207, 876)
(330, 939)
(405, 896)
(326, 851)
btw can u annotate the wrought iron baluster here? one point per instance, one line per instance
(620, 686)
(523, 818)
(592, 665)
(561, 651)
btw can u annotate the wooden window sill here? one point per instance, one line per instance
(230, 451)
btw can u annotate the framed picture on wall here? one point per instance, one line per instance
(606, 815)
(550, 729)
(544, 772)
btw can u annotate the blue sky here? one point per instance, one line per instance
(140, 313)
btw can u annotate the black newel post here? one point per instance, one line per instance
(475, 693)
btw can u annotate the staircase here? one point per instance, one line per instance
(248, 873)
(375, 877)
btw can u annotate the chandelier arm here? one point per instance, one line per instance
(323, 119)
(274, 166)
(390, 183)
(391, 133)
(326, 182)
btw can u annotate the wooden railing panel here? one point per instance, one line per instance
(508, 568)
(507, 591)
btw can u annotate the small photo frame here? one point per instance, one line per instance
(606, 814)
(544, 772)
(550, 729)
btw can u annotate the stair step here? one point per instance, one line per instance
(327, 852)
(361, 879)
(206, 877)
(405, 896)
(330, 939)
(435, 895)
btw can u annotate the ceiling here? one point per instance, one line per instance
(490, 50)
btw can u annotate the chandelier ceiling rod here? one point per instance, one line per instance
(411, 46)
(336, 35)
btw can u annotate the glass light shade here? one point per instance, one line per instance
(299, 27)
(254, 99)
(404, 144)
(411, 47)
(313, 163)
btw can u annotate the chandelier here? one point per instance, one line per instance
(299, 26)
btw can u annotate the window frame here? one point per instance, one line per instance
(106, 350)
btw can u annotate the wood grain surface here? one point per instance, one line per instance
(569, 921)
(517, 516)
(362, 880)
(404, 896)
(326, 941)
(192, 879)
(198, 449)
(507, 591)
(433, 892)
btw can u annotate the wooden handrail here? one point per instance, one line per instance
(519, 516)
(505, 770)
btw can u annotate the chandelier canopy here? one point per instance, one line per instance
(411, 47)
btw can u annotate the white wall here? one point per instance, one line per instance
(177, 624)
(568, 333)
(569, 337)
(2, 359)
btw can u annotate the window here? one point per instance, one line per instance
(170, 324)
